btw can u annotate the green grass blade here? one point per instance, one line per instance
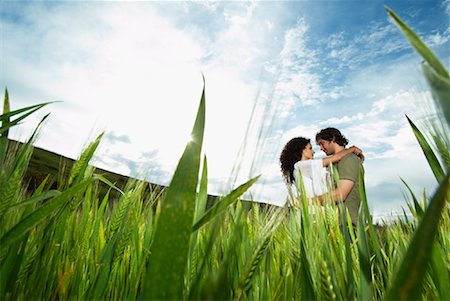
(107, 264)
(306, 285)
(97, 289)
(441, 139)
(420, 46)
(221, 205)
(418, 209)
(407, 283)
(428, 152)
(164, 279)
(121, 212)
(79, 168)
(440, 273)
(200, 204)
(200, 207)
(108, 182)
(96, 227)
(11, 178)
(33, 199)
(19, 230)
(363, 246)
(347, 227)
(4, 135)
(12, 175)
(261, 248)
(440, 89)
(10, 267)
(214, 233)
(7, 116)
(4, 129)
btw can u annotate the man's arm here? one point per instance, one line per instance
(340, 193)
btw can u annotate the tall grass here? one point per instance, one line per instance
(74, 242)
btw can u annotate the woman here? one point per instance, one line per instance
(300, 169)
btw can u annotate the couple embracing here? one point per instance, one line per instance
(313, 177)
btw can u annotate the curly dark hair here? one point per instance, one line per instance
(332, 134)
(291, 154)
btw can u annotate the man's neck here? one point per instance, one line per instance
(338, 148)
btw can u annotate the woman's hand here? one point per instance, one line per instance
(357, 151)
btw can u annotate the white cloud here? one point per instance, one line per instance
(446, 5)
(307, 131)
(438, 38)
(383, 131)
(301, 88)
(345, 119)
(296, 83)
(336, 40)
(235, 45)
(350, 52)
(404, 144)
(295, 45)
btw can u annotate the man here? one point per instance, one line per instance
(331, 141)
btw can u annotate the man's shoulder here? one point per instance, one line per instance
(350, 158)
(349, 161)
(349, 167)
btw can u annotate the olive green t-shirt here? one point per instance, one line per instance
(348, 168)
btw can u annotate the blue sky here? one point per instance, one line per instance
(134, 70)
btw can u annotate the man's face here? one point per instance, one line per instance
(326, 146)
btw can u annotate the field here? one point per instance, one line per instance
(85, 235)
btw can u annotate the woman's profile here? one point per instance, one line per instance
(303, 173)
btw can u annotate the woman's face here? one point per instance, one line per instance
(308, 152)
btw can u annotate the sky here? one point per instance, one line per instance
(273, 71)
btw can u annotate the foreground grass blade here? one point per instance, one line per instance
(164, 279)
(43, 212)
(80, 166)
(260, 249)
(435, 73)
(307, 283)
(5, 117)
(108, 183)
(407, 284)
(440, 272)
(34, 199)
(440, 89)
(10, 268)
(202, 197)
(221, 205)
(4, 135)
(428, 152)
(346, 228)
(420, 46)
(418, 209)
(105, 264)
(363, 246)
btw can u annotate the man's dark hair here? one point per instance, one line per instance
(332, 134)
